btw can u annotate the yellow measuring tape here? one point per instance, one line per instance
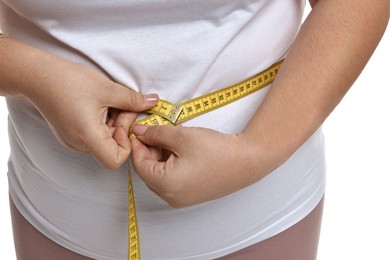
(166, 113)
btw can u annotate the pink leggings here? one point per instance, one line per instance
(299, 242)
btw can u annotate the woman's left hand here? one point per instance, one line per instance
(186, 166)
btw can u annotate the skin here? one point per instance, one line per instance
(84, 109)
(186, 166)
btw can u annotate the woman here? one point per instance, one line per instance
(244, 188)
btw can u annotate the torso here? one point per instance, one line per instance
(179, 49)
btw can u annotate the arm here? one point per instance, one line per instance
(313, 2)
(332, 48)
(85, 110)
(328, 54)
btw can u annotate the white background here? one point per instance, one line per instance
(356, 222)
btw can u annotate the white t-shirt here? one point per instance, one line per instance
(179, 49)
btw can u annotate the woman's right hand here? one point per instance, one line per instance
(85, 110)
(88, 112)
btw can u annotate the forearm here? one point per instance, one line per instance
(330, 51)
(23, 68)
(85, 110)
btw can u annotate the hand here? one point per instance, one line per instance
(185, 166)
(88, 112)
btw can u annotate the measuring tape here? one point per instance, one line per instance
(166, 113)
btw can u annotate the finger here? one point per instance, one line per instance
(111, 116)
(121, 138)
(111, 149)
(167, 137)
(124, 98)
(125, 119)
(154, 191)
(152, 153)
(150, 170)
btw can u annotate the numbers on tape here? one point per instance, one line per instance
(133, 247)
(166, 113)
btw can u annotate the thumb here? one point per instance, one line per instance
(166, 137)
(121, 97)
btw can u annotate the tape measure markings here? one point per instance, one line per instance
(166, 113)
(134, 244)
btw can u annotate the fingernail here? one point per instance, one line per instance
(139, 129)
(151, 98)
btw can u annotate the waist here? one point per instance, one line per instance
(54, 182)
